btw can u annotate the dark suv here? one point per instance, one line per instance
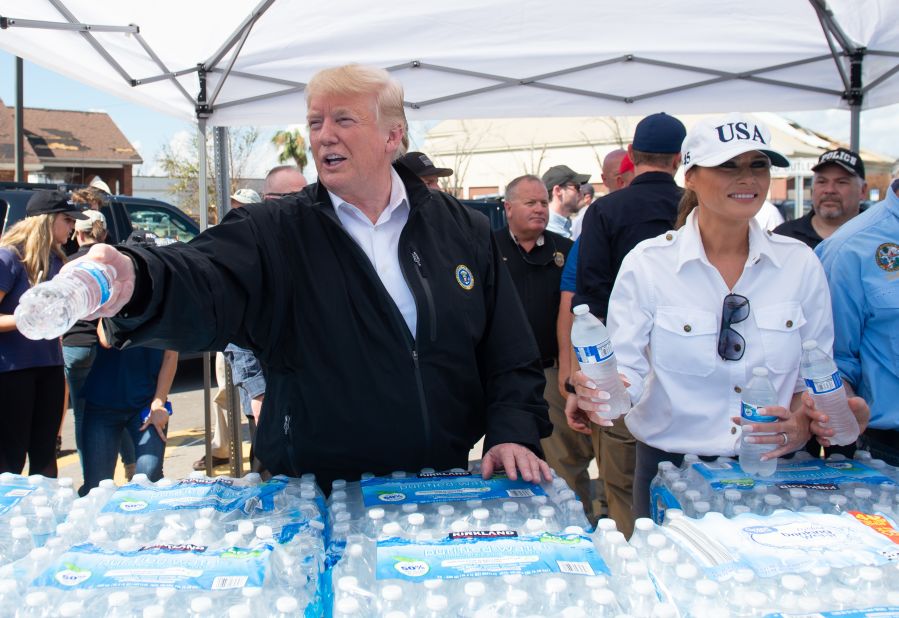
(123, 213)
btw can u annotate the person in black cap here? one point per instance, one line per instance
(420, 164)
(838, 188)
(563, 185)
(32, 383)
(613, 226)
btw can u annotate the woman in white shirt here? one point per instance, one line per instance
(693, 311)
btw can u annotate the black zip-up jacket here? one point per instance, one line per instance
(349, 389)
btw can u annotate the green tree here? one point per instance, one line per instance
(292, 147)
(184, 168)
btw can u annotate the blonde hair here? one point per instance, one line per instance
(357, 79)
(32, 240)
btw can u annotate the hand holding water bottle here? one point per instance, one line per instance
(588, 404)
(97, 285)
(820, 426)
(123, 285)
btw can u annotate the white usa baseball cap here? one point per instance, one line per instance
(713, 141)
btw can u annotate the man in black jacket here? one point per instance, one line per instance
(390, 332)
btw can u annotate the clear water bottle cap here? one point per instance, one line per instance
(809, 344)
(732, 495)
(573, 530)
(656, 540)
(433, 584)
(71, 608)
(251, 593)
(286, 605)
(754, 598)
(546, 511)
(744, 576)
(338, 484)
(668, 556)
(36, 599)
(643, 587)
(773, 500)
(862, 493)
(475, 589)
(348, 605)
(602, 596)
(607, 524)
(391, 528)
(512, 579)
(264, 532)
(410, 508)
(65, 481)
(843, 595)
(517, 597)
(574, 612)
(391, 592)
(556, 585)
(644, 524)
(246, 527)
(581, 309)
(347, 583)
(798, 493)
(437, 602)
(107, 484)
(760, 372)
(355, 550)
(627, 553)
(140, 478)
(707, 587)
(417, 519)
(685, 570)
(445, 510)
(792, 582)
(239, 611)
(158, 611)
(636, 569)
(118, 599)
(870, 574)
(376, 513)
(480, 513)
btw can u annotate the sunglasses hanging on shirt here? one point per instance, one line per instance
(731, 344)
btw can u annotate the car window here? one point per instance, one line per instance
(164, 224)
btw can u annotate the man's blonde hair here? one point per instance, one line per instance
(32, 240)
(357, 79)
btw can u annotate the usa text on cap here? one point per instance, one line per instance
(713, 141)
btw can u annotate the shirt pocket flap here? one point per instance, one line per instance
(686, 322)
(784, 317)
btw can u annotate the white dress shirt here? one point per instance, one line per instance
(559, 224)
(664, 316)
(768, 217)
(380, 242)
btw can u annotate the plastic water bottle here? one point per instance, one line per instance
(756, 396)
(826, 387)
(593, 347)
(49, 309)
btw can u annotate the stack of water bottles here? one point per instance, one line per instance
(451, 544)
(701, 574)
(197, 547)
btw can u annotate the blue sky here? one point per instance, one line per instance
(149, 130)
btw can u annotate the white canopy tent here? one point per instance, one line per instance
(246, 62)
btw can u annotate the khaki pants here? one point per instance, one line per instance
(615, 450)
(567, 452)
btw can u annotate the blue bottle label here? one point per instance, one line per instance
(755, 414)
(100, 277)
(824, 384)
(592, 354)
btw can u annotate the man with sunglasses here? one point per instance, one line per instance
(563, 186)
(535, 258)
(282, 180)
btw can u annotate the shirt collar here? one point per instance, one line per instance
(690, 244)
(540, 240)
(398, 198)
(558, 221)
(892, 200)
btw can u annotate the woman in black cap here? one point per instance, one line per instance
(32, 385)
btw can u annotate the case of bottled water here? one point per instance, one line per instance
(196, 547)
(832, 485)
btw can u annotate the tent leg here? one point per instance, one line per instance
(855, 114)
(207, 356)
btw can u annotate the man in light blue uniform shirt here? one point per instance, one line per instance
(861, 261)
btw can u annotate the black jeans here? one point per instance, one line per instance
(31, 401)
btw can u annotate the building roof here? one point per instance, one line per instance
(59, 138)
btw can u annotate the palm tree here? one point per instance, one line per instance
(292, 146)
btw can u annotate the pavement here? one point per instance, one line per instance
(186, 434)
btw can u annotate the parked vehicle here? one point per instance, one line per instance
(123, 213)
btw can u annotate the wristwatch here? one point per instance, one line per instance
(569, 387)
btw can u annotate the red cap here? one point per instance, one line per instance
(626, 165)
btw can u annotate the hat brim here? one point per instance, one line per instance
(848, 168)
(242, 200)
(75, 213)
(778, 159)
(580, 178)
(440, 172)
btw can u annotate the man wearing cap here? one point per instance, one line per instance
(563, 185)
(861, 261)
(614, 225)
(244, 196)
(838, 188)
(283, 180)
(420, 164)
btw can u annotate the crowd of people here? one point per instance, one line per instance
(378, 324)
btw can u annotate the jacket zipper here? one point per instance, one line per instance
(290, 450)
(423, 279)
(426, 421)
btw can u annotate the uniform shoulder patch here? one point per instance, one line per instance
(887, 256)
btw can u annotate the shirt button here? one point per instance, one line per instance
(687, 328)
(789, 323)
(668, 236)
(733, 430)
(737, 389)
